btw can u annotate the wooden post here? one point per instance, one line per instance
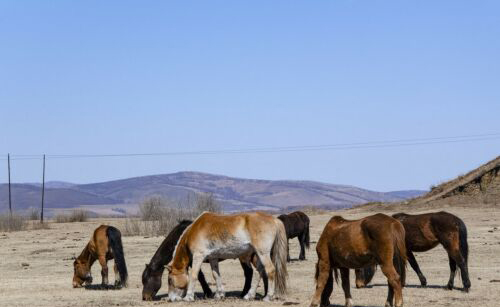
(10, 197)
(43, 188)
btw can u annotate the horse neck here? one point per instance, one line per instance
(162, 256)
(86, 256)
(181, 255)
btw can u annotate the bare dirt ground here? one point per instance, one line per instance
(36, 269)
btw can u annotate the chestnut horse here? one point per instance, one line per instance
(214, 237)
(426, 231)
(297, 226)
(344, 245)
(105, 244)
(152, 275)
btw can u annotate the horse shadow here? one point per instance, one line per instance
(201, 296)
(419, 287)
(102, 287)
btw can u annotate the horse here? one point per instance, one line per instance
(105, 244)
(426, 231)
(152, 274)
(214, 237)
(297, 226)
(344, 245)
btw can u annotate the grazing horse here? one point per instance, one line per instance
(297, 225)
(151, 277)
(426, 231)
(214, 237)
(344, 245)
(105, 244)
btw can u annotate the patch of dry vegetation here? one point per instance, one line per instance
(157, 217)
(77, 215)
(12, 222)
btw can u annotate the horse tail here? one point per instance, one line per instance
(462, 238)
(399, 258)
(278, 254)
(115, 243)
(307, 239)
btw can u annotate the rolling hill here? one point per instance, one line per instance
(234, 193)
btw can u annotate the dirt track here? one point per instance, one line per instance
(46, 281)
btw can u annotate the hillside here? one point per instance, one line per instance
(233, 193)
(479, 187)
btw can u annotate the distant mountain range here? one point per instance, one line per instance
(235, 194)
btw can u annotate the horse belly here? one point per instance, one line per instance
(230, 252)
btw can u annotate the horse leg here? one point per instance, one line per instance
(287, 250)
(394, 284)
(262, 275)
(195, 270)
(324, 284)
(117, 275)
(214, 264)
(248, 271)
(453, 271)
(104, 269)
(416, 268)
(207, 292)
(455, 256)
(344, 274)
(270, 271)
(302, 239)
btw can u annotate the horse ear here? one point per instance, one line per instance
(73, 258)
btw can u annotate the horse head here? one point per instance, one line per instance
(151, 282)
(81, 273)
(177, 283)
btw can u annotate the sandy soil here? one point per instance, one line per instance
(36, 269)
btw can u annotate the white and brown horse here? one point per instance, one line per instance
(214, 237)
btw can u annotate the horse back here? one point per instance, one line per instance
(422, 230)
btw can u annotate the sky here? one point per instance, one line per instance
(106, 77)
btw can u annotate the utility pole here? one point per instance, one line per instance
(10, 197)
(43, 188)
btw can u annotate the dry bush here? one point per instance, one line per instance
(157, 217)
(12, 222)
(33, 214)
(39, 226)
(77, 215)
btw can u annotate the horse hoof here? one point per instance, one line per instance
(388, 304)
(449, 287)
(188, 298)
(267, 298)
(219, 296)
(348, 303)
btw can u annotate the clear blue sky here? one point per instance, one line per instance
(132, 76)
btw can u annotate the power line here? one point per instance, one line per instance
(340, 146)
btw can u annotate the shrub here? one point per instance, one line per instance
(12, 222)
(157, 218)
(77, 215)
(33, 214)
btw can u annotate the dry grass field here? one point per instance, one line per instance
(36, 269)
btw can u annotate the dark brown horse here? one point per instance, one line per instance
(343, 245)
(152, 275)
(105, 244)
(297, 226)
(426, 231)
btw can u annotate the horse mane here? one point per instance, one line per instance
(165, 251)
(181, 243)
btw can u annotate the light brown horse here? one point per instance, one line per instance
(215, 237)
(105, 244)
(344, 245)
(426, 231)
